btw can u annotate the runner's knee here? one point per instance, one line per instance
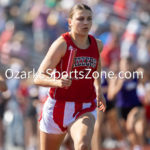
(82, 146)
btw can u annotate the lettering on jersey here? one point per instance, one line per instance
(85, 61)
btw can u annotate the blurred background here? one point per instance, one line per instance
(27, 29)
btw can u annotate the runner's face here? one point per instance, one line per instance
(81, 22)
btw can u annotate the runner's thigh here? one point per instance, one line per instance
(50, 141)
(81, 131)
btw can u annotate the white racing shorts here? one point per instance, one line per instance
(56, 116)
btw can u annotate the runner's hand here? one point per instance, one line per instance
(64, 83)
(101, 103)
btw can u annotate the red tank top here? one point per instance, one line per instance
(81, 90)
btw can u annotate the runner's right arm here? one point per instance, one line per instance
(53, 57)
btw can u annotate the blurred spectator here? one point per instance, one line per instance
(7, 33)
(4, 97)
(143, 54)
(144, 95)
(130, 36)
(126, 100)
(3, 86)
(31, 119)
(3, 101)
(125, 91)
(136, 128)
(111, 50)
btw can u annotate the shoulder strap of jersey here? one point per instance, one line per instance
(93, 41)
(66, 37)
